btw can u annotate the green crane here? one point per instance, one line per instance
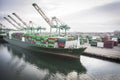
(58, 24)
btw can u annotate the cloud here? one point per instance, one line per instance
(102, 18)
(81, 11)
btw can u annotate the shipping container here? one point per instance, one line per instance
(61, 44)
(93, 44)
(115, 39)
(109, 44)
(104, 39)
(115, 43)
(118, 40)
(100, 44)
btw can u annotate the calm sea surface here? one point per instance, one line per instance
(20, 64)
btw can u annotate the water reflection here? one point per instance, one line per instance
(19, 64)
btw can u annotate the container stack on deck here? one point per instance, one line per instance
(17, 36)
(44, 41)
(37, 40)
(47, 41)
(51, 41)
(61, 42)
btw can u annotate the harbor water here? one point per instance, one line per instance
(20, 64)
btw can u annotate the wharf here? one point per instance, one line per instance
(103, 53)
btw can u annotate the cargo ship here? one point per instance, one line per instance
(62, 46)
(46, 43)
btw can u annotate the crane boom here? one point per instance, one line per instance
(15, 21)
(20, 19)
(43, 15)
(11, 22)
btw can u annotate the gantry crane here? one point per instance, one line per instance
(15, 21)
(44, 16)
(20, 19)
(58, 24)
(41, 28)
(11, 23)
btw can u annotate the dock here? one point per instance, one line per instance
(103, 53)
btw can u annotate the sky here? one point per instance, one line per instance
(79, 15)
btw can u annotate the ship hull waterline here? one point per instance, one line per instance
(70, 53)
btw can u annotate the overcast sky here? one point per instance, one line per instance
(80, 15)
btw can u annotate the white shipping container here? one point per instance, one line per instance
(114, 39)
(70, 44)
(95, 37)
(23, 39)
(100, 44)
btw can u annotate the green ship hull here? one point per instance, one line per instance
(67, 52)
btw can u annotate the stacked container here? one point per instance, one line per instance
(37, 40)
(26, 37)
(69, 38)
(115, 41)
(118, 40)
(104, 39)
(100, 44)
(44, 41)
(61, 42)
(17, 36)
(51, 41)
(31, 39)
(94, 43)
(109, 44)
